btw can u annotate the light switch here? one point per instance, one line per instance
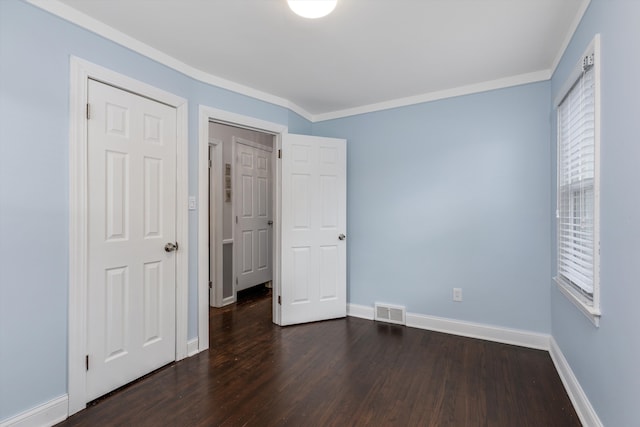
(192, 203)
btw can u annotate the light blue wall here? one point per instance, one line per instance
(34, 102)
(606, 360)
(452, 193)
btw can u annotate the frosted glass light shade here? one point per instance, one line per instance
(312, 8)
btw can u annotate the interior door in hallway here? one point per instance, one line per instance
(253, 214)
(314, 228)
(132, 237)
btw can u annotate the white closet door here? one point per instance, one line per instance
(132, 216)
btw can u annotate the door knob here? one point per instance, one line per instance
(269, 222)
(341, 237)
(170, 247)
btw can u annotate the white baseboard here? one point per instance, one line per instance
(478, 330)
(467, 329)
(361, 311)
(47, 414)
(586, 413)
(192, 347)
(581, 404)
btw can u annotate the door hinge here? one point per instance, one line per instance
(86, 361)
(236, 280)
(279, 154)
(236, 219)
(88, 111)
(210, 284)
(279, 300)
(210, 163)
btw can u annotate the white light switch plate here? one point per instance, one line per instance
(192, 203)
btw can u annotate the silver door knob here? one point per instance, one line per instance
(269, 222)
(170, 247)
(341, 237)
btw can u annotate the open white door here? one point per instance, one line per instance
(314, 228)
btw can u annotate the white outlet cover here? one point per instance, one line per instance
(457, 294)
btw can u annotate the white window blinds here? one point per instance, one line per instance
(576, 184)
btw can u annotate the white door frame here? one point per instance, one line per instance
(81, 72)
(207, 114)
(216, 298)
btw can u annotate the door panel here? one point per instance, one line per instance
(313, 217)
(254, 214)
(132, 215)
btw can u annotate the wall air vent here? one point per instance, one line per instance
(390, 313)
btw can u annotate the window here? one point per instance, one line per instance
(578, 186)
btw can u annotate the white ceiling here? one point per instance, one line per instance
(366, 52)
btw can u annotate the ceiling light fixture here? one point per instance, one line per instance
(312, 8)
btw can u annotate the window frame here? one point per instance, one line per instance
(590, 307)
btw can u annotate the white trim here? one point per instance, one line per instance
(586, 413)
(78, 18)
(252, 144)
(192, 347)
(203, 229)
(85, 21)
(579, 301)
(276, 168)
(466, 329)
(518, 80)
(228, 300)
(47, 414)
(360, 311)
(207, 114)
(478, 330)
(570, 32)
(591, 309)
(217, 176)
(80, 72)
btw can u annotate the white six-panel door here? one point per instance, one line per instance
(254, 214)
(132, 215)
(314, 228)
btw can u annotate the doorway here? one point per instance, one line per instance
(212, 255)
(245, 183)
(309, 223)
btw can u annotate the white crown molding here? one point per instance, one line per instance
(78, 18)
(47, 414)
(521, 79)
(570, 32)
(586, 413)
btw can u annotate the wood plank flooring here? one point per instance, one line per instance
(346, 372)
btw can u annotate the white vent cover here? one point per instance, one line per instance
(390, 313)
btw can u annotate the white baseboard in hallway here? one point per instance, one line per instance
(192, 347)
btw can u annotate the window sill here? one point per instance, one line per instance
(580, 302)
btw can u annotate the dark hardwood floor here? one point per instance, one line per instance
(346, 372)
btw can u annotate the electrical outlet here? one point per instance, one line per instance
(457, 294)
